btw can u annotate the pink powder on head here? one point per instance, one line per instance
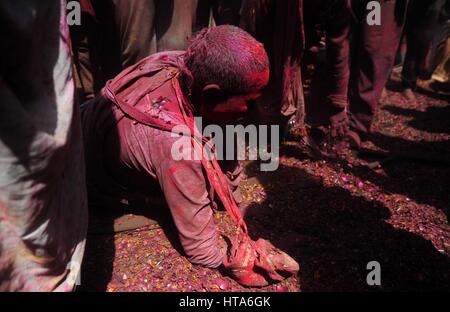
(258, 80)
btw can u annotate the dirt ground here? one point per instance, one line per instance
(332, 216)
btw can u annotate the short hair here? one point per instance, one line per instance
(225, 55)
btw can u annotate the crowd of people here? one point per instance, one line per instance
(88, 112)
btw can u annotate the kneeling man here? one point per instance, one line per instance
(129, 145)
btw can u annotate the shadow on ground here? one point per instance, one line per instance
(334, 235)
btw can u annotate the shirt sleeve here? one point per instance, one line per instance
(185, 189)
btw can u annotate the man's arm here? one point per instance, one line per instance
(185, 190)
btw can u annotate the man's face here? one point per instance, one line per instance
(230, 109)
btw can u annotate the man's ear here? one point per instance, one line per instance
(211, 94)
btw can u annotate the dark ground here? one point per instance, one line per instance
(332, 216)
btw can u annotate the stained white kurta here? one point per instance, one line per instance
(43, 207)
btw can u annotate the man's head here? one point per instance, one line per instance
(229, 69)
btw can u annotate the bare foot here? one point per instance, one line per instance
(409, 95)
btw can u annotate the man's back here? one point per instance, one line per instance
(128, 160)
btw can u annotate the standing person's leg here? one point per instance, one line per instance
(288, 39)
(134, 21)
(83, 67)
(88, 42)
(174, 23)
(423, 22)
(413, 57)
(279, 26)
(337, 26)
(96, 48)
(329, 88)
(412, 25)
(376, 47)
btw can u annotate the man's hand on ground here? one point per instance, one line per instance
(258, 264)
